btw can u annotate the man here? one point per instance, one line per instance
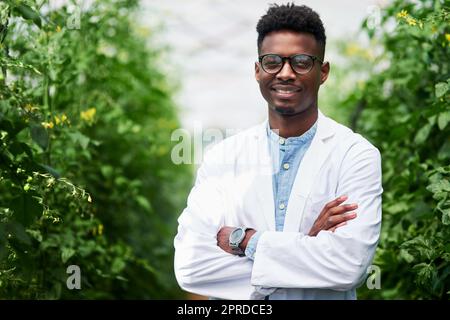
(266, 218)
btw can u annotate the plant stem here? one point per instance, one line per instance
(48, 105)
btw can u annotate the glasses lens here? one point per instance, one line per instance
(272, 63)
(302, 63)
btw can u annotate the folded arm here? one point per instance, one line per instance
(330, 260)
(201, 266)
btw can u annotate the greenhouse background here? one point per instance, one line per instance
(91, 93)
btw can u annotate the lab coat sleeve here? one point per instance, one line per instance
(338, 260)
(202, 267)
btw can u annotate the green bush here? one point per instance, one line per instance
(403, 108)
(85, 171)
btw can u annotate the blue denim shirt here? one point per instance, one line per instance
(291, 152)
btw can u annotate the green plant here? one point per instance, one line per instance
(403, 109)
(85, 171)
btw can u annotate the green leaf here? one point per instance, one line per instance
(117, 265)
(423, 134)
(39, 135)
(66, 254)
(444, 151)
(87, 248)
(424, 271)
(107, 171)
(440, 89)
(443, 119)
(406, 256)
(26, 208)
(35, 234)
(445, 216)
(398, 207)
(80, 138)
(143, 202)
(439, 186)
(29, 14)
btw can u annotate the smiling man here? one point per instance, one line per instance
(272, 213)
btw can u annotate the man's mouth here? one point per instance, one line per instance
(284, 91)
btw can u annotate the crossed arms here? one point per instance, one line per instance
(332, 216)
(332, 256)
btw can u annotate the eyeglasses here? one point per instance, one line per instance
(300, 63)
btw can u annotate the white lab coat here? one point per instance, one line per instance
(234, 188)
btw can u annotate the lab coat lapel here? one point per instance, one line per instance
(263, 180)
(310, 166)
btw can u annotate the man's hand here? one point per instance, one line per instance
(223, 237)
(333, 216)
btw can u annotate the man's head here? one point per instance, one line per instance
(291, 86)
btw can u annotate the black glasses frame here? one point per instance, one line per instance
(283, 60)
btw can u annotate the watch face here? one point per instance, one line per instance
(236, 235)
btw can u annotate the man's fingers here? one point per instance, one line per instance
(342, 209)
(335, 202)
(337, 219)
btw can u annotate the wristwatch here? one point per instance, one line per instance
(236, 237)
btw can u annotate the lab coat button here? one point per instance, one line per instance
(282, 206)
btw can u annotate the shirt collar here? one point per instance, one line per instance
(304, 138)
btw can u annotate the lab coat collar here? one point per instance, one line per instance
(325, 127)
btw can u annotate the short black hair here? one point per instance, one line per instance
(291, 17)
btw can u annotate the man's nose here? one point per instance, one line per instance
(286, 72)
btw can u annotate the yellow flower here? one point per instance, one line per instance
(411, 21)
(47, 125)
(61, 120)
(30, 108)
(402, 14)
(447, 36)
(88, 115)
(100, 229)
(58, 29)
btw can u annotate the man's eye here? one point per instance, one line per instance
(302, 65)
(271, 64)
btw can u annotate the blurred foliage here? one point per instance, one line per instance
(85, 171)
(402, 107)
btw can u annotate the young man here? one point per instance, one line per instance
(266, 218)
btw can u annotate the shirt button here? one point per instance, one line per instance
(281, 206)
(286, 166)
(282, 140)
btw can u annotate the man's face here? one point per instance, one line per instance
(287, 92)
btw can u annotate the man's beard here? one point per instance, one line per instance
(285, 111)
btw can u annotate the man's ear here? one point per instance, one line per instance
(257, 71)
(324, 71)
